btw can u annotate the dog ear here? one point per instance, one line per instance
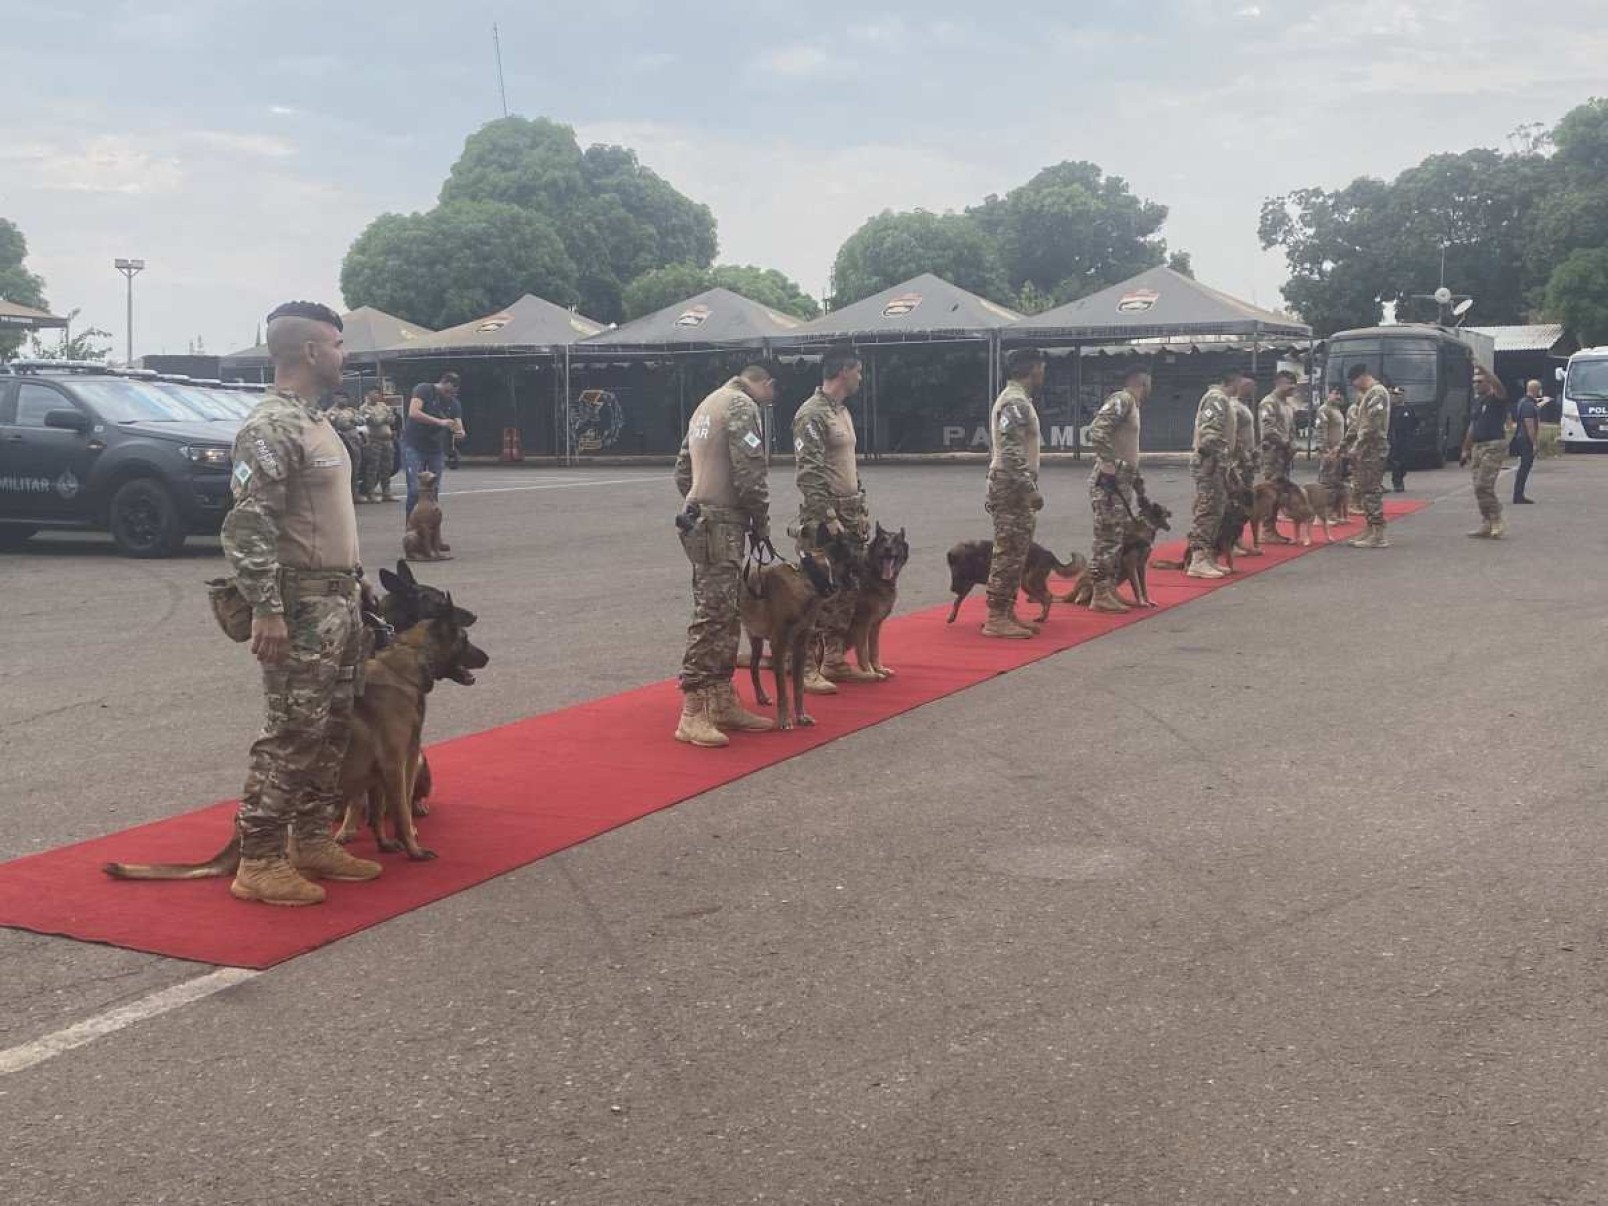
(464, 616)
(879, 533)
(390, 581)
(404, 571)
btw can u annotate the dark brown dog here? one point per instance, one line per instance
(1139, 533)
(969, 563)
(779, 604)
(422, 540)
(1236, 514)
(885, 556)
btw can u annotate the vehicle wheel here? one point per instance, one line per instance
(14, 535)
(144, 520)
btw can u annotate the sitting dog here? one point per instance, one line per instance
(885, 556)
(422, 540)
(1139, 533)
(969, 564)
(1270, 498)
(779, 604)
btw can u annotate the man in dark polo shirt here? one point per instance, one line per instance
(1486, 445)
(434, 420)
(1527, 421)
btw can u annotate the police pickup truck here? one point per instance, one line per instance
(143, 457)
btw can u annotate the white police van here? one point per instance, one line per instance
(1585, 399)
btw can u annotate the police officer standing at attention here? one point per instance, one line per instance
(1332, 430)
(720, 472)
(824, 444)
(1013, 494)
(1486, 445)
(1114, 436)
(1368, 441)
(434, 419)
(291, 540)
(348, 424)
(379, 447)
(1214, 439)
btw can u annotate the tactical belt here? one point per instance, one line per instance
(718, 514)
(321, 582)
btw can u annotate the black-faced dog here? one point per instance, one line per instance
(969, 563)
(779, 604)
(885, 556)
(1139, 533)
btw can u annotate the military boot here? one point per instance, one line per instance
(836, 667)
(1202, 566)
(1106, 600)
(273, 881)
(1004, 624)
(695, 727)
(1373, 538)
(1483, 532)
(322, 857)
(1498, 529)
(727, 713)
(815, 683)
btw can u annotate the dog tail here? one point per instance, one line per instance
(225, 862)
(1075, 568)
(1166, 564)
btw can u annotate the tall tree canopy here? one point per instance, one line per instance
(665, 286)
(17, 284)
(1067, 232)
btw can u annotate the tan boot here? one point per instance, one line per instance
(1498, 530)
(321, 857)
(1107, 601)
(1483, 532)
(273, 881)
(1202, 566)
(836, 667)
(1003, 624)
(727, 713)
(815, 684)
(695, 727)
(1373, 538)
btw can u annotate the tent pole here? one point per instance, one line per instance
(563, 413)
(513, 401)
(1077, 402)
(1256, 408)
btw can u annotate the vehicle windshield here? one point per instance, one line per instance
(240, 405)
(1587, 379)
(120, 401)
(203, 401)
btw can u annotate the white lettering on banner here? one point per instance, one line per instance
(1062, 436)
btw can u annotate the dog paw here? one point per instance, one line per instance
(420, 808)
(806, 720)
(784, 725)
(421, 855)
(389, 845)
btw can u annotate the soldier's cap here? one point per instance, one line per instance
(306, 309)
(1020, 360)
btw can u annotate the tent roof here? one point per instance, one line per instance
(923, 306)
(712, 318)
(1157, 302)
(365, 330)
(16, 317)
(531, 322)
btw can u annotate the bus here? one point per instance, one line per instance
(1433, 366)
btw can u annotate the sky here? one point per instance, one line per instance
(239, 148)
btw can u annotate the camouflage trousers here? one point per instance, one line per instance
(715, 548)
(837, 612)
(378, 459)
(293, 785)
(1211, 496)
(1488, 458)
(1370, 480)
(1014, 522)
(1278, 461)
(1110, 514)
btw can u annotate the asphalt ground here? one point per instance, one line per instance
(1291, 894)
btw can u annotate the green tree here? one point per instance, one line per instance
(1577, 294)
(457, 262)
(1180, 262)
(17, 284)
(891, 248)
(666, 286)
(91, 343)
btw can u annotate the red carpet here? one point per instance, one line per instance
(514, 794)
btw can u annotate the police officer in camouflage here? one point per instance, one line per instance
(1013, 494)
(379, 446)
(1277, 414)
(1485, 444)
(828, 475)
(720, 473)
(1332, 431)
(291, 541)
(1368, 443)
(348, 422)
(1214, 441)
(1114, 436)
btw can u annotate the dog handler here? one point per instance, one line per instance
(1114, 436)
(1013, 494)
(1214, 440)
(720, 472)
(1368, 441)
(291, 542)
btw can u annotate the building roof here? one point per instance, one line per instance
(530, 323)
(923, 307)
(1157, 302)
(16, 317)
(1534, 337)
(713, 318)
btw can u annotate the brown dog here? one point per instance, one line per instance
(422, 540)
(969, 564)
(1236, 513)
(885, 556)
(1139, 534)
(1271, 498)
(1319, 504)
(779, 604)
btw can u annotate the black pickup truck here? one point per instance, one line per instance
(85, 447)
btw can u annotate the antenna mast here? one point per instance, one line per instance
(502, 89)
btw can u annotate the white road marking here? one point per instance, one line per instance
(15, 1059)
(613, 481)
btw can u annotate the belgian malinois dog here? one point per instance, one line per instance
(969, 564)
(1139, 533)
(779, 604)
(1236, 514)
(1319, 502)
(885, 556)
(422, 540)
(437, 647)
(1271, 498)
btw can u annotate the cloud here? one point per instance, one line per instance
(265, 146)
(106, 164)
(793, 62)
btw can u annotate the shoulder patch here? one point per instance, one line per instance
(242, 473)
(751, 440)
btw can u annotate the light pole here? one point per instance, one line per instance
(130, 269)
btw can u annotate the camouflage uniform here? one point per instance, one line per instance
(1114, 436)
(1488, 457)
(721, 468)
(1368, 441)
(291, 540)
(1333, 426)
(824, 445)
(1243, 446)
(347, 420)
(1013, 494)
(1214, 436)
(1278, 446)
(379, 451)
